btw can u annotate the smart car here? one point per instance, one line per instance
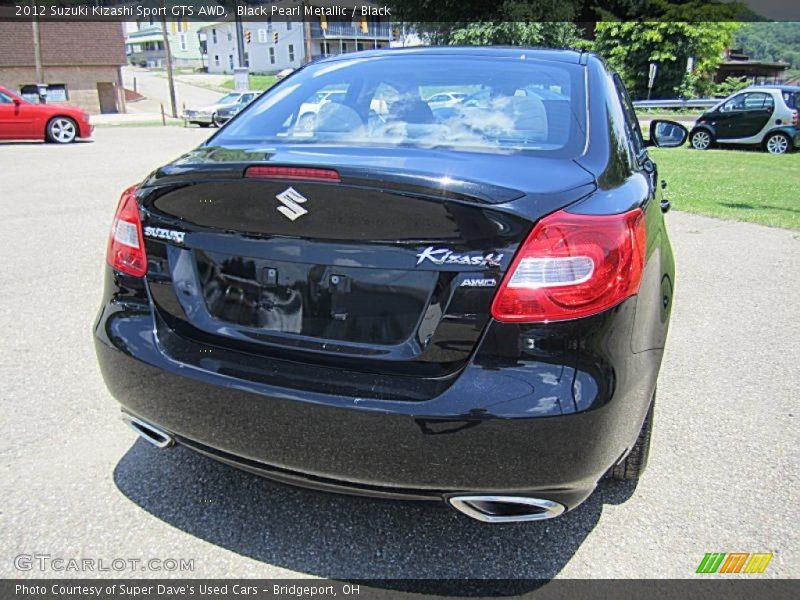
(470, 310)
(764, 116)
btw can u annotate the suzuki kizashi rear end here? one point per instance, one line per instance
(466, 304)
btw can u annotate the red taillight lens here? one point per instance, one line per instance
(572, 266)
(126, 244)
(297, 173)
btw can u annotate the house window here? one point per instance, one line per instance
(216, 60)
(230, 62)
(291, 53)
(214, 36)
(272, 55)
(262, 36)
(230, 36)
(288, 25)
(182, 42)
(360, 46)
(269, 24)
(344, 46)
(326, 48)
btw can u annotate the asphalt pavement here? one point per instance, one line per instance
(76, 483)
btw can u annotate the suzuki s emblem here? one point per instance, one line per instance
(291, 200)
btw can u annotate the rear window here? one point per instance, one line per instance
(488, 104)
(791, 98)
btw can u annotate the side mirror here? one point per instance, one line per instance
(17, 102)
(667, 134)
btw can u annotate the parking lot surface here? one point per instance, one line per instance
(76, 483)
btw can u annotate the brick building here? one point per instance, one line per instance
(81, 62)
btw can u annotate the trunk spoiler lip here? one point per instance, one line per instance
(413, 183)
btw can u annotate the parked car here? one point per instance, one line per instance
(310, 107)
(472, 310)
(209, 115)
(226, 113)
(764, 116)
(57, 123)
(445, 99)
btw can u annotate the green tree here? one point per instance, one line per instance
(630, 47)
(771, 42)
(516, 33)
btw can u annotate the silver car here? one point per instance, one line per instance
(209, 115)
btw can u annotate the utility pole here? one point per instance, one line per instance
(307, 36)
(170, 76)
(239, 36)
(241, 73)
(37, 46)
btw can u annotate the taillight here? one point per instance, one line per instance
(297, 173)
(126, 244)
(794, 117)
(572, 266)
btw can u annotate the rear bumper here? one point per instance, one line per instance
(543, 418)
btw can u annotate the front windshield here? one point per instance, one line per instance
(229, 99)
(6, 98)
(476, 103)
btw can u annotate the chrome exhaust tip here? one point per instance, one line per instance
(506, 509)
(150, 433)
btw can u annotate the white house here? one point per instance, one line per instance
(273, 46)
(269, 47)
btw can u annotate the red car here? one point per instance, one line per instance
(21, 120)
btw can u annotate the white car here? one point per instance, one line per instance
(207, 115)
(309, 109)
(443, 99)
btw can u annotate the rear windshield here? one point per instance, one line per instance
(791, 98)
(485, 104)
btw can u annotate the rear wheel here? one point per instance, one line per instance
(633, 465)
(62, 130)
(701, 140)
(778, 143)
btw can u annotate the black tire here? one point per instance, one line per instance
(204, 125)
(634, 464)
(778, 143)
(701, 139)
(217, 121)
(214, 120)
(61, 130)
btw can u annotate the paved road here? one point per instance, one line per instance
(155, 88)
(76, 482)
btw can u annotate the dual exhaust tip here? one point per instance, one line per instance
(506, 509)
(150, 433)
(488, 509)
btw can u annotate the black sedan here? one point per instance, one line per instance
(470, 308)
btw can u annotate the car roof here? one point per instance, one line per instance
(783, 88)
(549, 54)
